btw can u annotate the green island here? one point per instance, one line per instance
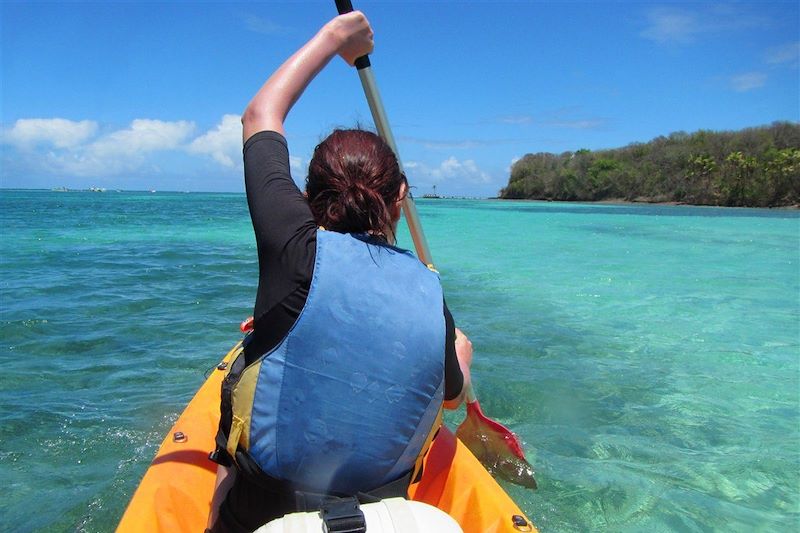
(753, 167)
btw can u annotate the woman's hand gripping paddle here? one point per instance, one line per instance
(493, 444)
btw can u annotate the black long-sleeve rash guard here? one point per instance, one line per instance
(286, 237)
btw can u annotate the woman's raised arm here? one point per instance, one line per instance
(349, 36)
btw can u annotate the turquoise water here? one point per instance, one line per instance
(648, 356)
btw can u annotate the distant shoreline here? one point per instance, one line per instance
(620, 201)
(607, 201)
(613, 201)
(752, 167)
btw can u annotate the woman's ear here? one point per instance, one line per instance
(397, 207)
(403, 191)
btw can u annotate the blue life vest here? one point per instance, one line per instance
(351, 397)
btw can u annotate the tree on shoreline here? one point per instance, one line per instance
(757, 167)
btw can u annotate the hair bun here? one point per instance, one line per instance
(361, 208)
(353, 182)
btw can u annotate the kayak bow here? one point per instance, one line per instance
(175, 492)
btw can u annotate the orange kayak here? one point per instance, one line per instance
(175, 492)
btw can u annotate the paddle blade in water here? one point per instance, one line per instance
(496, 447)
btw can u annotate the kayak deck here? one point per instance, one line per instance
(175, 492)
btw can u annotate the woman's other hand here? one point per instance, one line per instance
(463, 349)
(464, 356)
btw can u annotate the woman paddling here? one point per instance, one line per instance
(340, 386)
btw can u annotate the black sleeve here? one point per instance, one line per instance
(453, 378)
(284, 228)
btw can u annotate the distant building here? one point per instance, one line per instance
(434, 195)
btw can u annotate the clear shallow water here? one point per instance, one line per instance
(648, 356)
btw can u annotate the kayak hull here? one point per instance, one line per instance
(176, 490)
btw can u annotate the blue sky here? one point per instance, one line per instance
(132, 95)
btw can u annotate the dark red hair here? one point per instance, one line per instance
(354, 183)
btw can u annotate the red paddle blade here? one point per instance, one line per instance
(496, 447)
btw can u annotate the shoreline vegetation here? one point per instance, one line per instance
(753, 167)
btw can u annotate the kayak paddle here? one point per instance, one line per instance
(495, 446)
(382, 125)
(492, 443)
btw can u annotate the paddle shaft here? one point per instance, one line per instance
(370, 87)
(471, 398)
(412, 219)
(382, 124)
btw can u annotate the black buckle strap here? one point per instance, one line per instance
(221, 457)
(311, 501)
(343, 516)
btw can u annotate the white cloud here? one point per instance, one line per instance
(449, 169)
(671, 25)
(263, 26)
(70, 151)
(458, 145)
(578, 124)
(80, 163)
(296, 165)
(59, 132)
(143, 136)
(748, 81)
(786, 54)
(454, 144)
(223, 143)
(516, 119)
(572, 117)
